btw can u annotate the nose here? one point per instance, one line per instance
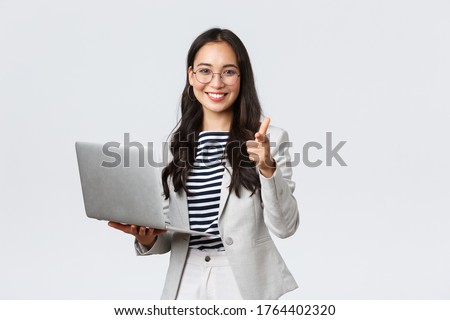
(216, 81)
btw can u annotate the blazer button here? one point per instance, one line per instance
(207, 258)
(229, 241)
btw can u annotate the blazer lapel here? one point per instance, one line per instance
(181, 203)
(225, 190)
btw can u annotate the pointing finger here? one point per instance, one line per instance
(264, 126)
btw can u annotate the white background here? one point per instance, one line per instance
(374, 73)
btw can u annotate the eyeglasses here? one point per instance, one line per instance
(205, 75)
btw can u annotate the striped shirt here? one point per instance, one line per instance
(204, 182)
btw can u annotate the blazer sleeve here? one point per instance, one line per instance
(280, 211)
(163, 241)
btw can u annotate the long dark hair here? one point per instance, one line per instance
(245, 122)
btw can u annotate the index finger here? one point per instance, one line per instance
(264, 126)
(119, 226)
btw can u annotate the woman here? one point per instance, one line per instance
(226, 178)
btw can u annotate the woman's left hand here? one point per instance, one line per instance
(259, 150)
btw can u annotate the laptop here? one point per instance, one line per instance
(119, 184)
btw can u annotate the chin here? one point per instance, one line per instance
(219, 109)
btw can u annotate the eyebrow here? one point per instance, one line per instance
(224, 66)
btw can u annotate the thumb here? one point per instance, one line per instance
(260, 137)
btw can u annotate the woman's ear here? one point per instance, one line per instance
(191, 76)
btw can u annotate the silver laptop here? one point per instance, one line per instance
(120, 185)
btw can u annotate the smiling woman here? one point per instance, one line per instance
(216, 82)
(227, 179)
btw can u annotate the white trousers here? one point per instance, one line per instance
(207, 276)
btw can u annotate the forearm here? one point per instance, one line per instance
(280, 206)
(161, 245)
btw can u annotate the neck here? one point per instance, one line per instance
(213, 121)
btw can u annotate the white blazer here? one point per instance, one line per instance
(244, 225)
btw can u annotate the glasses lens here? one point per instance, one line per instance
(229, 79)
(204, 75)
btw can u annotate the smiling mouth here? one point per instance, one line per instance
(216, 97)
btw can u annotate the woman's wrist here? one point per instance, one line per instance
(267, 173)
(148, 245)
(269, 170)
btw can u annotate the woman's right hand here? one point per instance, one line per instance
(145, 236)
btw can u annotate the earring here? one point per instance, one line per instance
(193, 100)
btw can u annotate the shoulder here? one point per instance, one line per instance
(277, 134)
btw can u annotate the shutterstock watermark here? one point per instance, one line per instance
(330, 153)
(122, 154)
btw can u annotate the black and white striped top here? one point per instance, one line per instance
(204, 182)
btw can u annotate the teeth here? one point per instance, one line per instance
(216, 95)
